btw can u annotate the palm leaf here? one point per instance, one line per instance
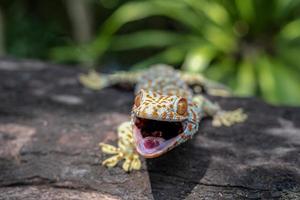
(287, 83)
(213, 11)
(172, 55)
(246, 80)
(290, 31)
(266, 79)
(148, 38)
(246, 10)
(199, 58)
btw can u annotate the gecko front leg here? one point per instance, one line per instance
(220, 116)
(97, 81)
(125, 150)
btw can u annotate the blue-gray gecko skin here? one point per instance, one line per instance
(165, 113)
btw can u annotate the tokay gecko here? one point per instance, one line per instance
(166, 112)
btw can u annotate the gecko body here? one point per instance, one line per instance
(165, 114)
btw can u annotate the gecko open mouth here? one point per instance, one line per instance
(153, 137)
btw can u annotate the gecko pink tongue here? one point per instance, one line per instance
(149, 144)
(152, 142)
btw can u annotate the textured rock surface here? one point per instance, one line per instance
(50, 127)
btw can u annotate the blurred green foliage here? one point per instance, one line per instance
(28, 35)
(251, 45)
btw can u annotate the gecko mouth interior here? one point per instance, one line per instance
(154, 135)
(154, 128)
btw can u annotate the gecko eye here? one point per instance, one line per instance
(138, 99)
(182, 106)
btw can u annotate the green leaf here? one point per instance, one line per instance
(198, 59)
(224, 41)
(287, 83)
(246, 81)
(173, 55)
(138, 10)
(291, 31)
(284, 8)
(290, 56)
(148, 38)
(71, 53)
(222, 71)
(211, 9)
(266, 80)
(246, 9)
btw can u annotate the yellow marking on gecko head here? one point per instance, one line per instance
(153, 105)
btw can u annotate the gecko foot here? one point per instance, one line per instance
(125, 150)
(228, 118)
(93, 80)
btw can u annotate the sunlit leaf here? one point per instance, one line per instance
(137, 10)
(198, 59)
(266, 79)
(224, 41)
(246, 81)
(291, 31)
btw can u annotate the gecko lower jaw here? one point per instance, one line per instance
(155, 137)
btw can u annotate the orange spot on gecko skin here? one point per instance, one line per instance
(164, 115)
(171, 115)
(190, 127)
(194, 115)
(143, 113)
(155, 114)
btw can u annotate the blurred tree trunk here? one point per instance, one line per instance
(2, 34)
(80, 16)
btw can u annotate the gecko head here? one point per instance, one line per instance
(160, 122)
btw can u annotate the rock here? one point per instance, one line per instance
(50, 127)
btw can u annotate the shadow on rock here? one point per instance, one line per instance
(175, 174)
